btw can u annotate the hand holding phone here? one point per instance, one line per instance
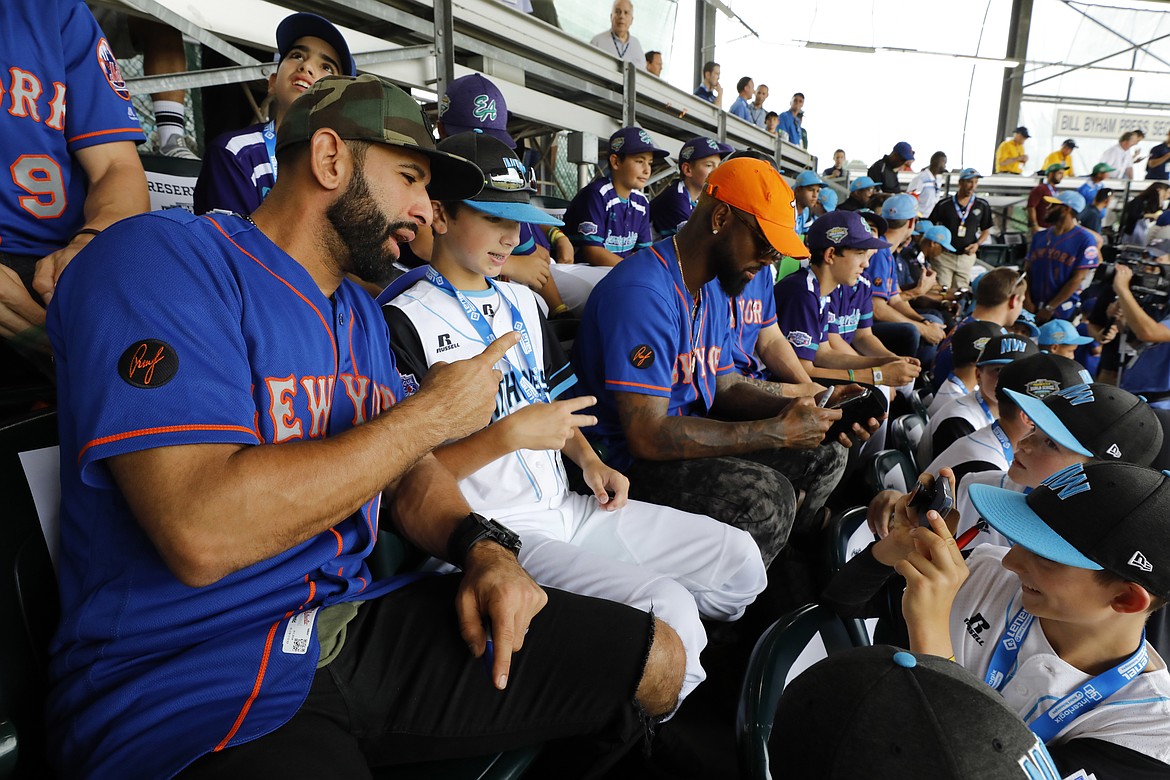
(937, 496)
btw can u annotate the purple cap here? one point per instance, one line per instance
(843, 229)
(904, 150)
(474, 103)
(292, 28)
(634, 140)
(698, 148)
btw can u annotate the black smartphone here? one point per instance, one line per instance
(937, 496)
(846, 395)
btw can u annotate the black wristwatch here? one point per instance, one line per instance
(475, 528)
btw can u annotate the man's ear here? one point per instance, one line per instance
(1131, 598)
(720, 216)
(330, 160)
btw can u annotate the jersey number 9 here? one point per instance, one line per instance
(40, 176)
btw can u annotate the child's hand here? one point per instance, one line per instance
(547, 426)
(610, 487)
(934, 571)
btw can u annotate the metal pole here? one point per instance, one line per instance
(1013, 78)
(444, 46)
(629, 94)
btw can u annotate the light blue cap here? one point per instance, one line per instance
(828, 198)
(807, 179)
(1056, 332)
(1047, 421)
(970, 173)
(900, 206)
(860, 183)
(1071, 198)
(517, 212)
(939, 235)
(921, 226)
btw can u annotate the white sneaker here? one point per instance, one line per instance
(177, 147)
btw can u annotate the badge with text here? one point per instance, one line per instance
(148, 363)
(642, 356)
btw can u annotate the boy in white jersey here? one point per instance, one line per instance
(679, 564)
(1057, 622)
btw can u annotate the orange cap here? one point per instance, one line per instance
(756, 187)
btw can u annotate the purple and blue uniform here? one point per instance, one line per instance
(883, 275)
(598, 217)
(53, 53)
(751, 310)
(802, 312)
(239, 168)
(637, 335)
(209, 334)
(1052, 261)
(851, 308)
(671, 209)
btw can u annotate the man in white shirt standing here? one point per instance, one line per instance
(1121, 157)
(617, 39)
(926, 186)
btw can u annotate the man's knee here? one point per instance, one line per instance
(662, 676)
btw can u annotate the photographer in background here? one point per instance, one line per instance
(1149, 374)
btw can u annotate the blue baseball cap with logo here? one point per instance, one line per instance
(474, 103)
(940, 235)
(1071, 198)
(634, 140)
(900, 206)
(969, 173)
(844, 230)
(861, 183)
(300, 25)
(808, 179)
(903, 150)
(698, 148)
(921, 226)
(827, 198)
(1057, 332)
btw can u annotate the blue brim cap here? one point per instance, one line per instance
(1046, 420)
(1033, 331)
(517, 212)
(1008, 512)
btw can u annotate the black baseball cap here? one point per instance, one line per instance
(506, 191)
(1097, 421)
(886, 713)
(969, 340)
(1001, 350)
(1039, 376)
(1097, 515)
(1022, 131)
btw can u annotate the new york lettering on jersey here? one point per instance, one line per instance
(751, 310)
(53, 104)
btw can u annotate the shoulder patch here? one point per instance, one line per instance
(109, 65)
(800, 339)
(409, 384)
(148, 363)
(1091, 252)
(642, 356)
(588, 228)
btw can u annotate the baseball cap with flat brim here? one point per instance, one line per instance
(300, 25)
(1057, 332)
(505, 192)
(1001, 350)
(969, 173)
(844, 230)
(940, 235)
(1074, 200)
(757, 188)
(473, 102)
(861, 183)
(368, 109)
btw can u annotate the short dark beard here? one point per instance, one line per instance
(363, 228)
(730, 277)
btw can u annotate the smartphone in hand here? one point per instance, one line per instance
(937, 496)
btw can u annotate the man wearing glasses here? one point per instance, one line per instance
(673, 414)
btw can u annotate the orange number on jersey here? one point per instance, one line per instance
(40, 176)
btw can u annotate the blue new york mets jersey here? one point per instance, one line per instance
(53, 56)
(851, 308)
(172, 329)
(1053, 259)
(751, 310)
(803, 313)
(598, 217)
(883, 274)
(637, 335)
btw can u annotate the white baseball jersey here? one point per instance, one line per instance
(989, 444)
(1136, 717)
(967, 407)
(951, 388)
(969, 515)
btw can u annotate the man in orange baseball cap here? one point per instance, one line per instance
(654, 347)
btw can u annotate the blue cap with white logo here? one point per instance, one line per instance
(900, 206)
(1057, 332)
(828, 198)
(861, 183)
(807, 179)
(1071, 198)
(969, 173)
(939, 234)
(634, 140)
(698, 148)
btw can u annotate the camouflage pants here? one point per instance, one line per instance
(756, 492)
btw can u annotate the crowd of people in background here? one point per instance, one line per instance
(360, 331)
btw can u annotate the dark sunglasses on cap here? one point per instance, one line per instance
(767, 250)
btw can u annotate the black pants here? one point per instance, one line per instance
(406, 689)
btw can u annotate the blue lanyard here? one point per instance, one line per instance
(269, 134)
(487, 336)
(963, 214)
(1082, 699)
(983, 405)
(954, 380)
(1004, 443)
(621, 53)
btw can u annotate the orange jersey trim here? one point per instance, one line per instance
(255, 688)
(162, 429)
(636, 384)
(103, 132)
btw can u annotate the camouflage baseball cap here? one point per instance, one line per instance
(369, 109)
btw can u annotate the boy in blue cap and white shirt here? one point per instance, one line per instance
(807, 188)
(1060, 260)
(672, 207)
(1059, 337)
(679, 564)
(610, 218)
(1056, 623)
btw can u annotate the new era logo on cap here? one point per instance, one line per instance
(1114, 450)
(1140, 561)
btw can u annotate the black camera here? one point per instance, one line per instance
(1150, 284)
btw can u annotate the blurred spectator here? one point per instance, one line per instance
(672, 207)
(969, 220)
(654, 63)
(1161, 229)
(1140, 211)
(861, 190)
(757, 110)
(1121, 157)
(1100, 173)
(1037, 205)
(1156, 165)
(791, 121)
(925, 185)
(617, 40)
(807, 188)
(885, 170)
(837, 169)
(710, 89)
(1093, 217)
(742, 106)
(826, 202)
(1063, 157)
(1010, 157)
(771, 122)
(1060, 260)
